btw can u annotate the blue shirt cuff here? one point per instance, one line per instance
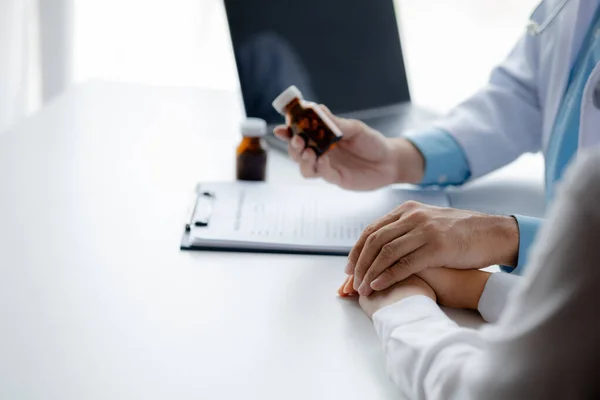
(445, 160)
(528, 228)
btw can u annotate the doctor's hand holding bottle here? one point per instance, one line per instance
(363, 160)
(413, 236)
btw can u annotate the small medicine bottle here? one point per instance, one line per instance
(252, 153)
(306, 119)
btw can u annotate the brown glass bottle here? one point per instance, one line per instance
(306, 119)
(251, 152)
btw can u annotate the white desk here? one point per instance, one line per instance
(96, 300)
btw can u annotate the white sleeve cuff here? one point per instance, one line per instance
(495, 295)
(409, 310)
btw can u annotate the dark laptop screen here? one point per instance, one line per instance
(345, 54)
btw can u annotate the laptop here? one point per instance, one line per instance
(346, 55)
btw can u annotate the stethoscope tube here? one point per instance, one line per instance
(535, 29)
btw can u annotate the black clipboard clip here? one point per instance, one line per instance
(201, 210)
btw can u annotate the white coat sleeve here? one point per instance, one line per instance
(545, 344)
(504, 119)
(498, 290)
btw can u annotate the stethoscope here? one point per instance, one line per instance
(534, 28)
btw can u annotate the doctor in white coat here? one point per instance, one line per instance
(544, 97)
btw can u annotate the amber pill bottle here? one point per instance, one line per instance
(251, 153)
(306, 119)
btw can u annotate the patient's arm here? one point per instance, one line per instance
(470, 289)
(544, 346)
(454, 288)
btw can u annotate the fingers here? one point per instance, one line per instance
(379, 242)
(308, 164)
(349, 289)
(415, 262)
(346, 289)
(385, 220)
(389, 254)
(356, 251)
(305, 157)
(283, 132)
(354, 255)
(295, 148)
(327, 172)
(340, 291)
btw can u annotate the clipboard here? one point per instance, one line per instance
(258, 217)
(199, 213)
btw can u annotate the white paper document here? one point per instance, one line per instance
(312, 219)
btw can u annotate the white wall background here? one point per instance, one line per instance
(450, 45)
(19, 84)
(45, 45)
(163, 42)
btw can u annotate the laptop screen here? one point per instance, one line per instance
(345, 54)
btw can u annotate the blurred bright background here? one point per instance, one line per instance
(186, 43)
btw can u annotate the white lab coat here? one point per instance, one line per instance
(516, 111)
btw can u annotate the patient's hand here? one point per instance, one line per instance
(411, 286)
(453, 288)
(347, 289)
(456, 288)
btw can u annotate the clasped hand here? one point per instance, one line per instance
(414, 237)
(449, 287)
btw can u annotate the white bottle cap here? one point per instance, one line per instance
(285, 98)
(254, 127)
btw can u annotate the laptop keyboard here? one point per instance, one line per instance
(395, 124)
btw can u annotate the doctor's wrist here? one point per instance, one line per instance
(506, 241)
(408, 161)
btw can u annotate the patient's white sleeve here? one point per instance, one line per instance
(546, 344)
